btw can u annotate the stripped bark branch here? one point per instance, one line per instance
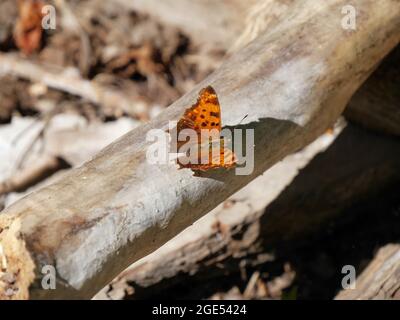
(69, 81)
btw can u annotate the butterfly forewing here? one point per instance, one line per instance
(204, 114)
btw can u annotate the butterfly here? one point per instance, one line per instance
(205, 117)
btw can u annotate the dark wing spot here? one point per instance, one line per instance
(214, 114)
(204, 124)
(202, 116)
(204, 110)
(213, 124)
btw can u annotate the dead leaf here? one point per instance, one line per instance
(28, 29)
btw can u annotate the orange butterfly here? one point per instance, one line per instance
(205, 115)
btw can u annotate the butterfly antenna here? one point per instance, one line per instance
(243, 119)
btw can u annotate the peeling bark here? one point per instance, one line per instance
(16, 264)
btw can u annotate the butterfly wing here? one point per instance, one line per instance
(207, 160)
(204, 114)
(228, 158)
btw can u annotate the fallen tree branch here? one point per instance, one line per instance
(69, 81)
(380, 280)
(292, 84)
(34, 173)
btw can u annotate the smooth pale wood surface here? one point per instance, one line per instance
(292, 84)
